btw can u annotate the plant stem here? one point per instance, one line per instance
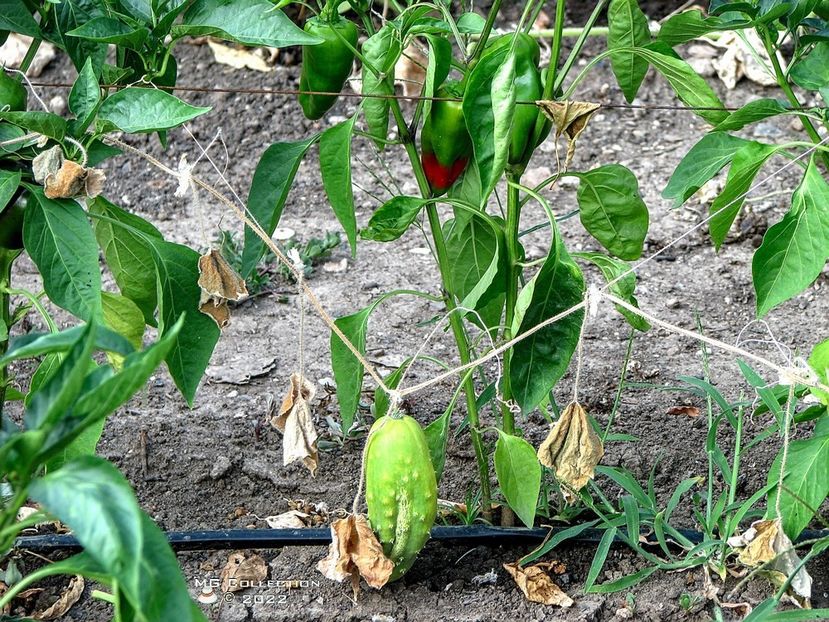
(578, 45)
(513, 275)
(490, 21)
(30, 55)
(455, 319)
(783, 83)
(7, 258)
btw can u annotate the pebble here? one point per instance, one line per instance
(767, 130)
(220, 467)
(58, 105)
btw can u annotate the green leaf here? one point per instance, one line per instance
(393, 218)
(142, 10)
(795, 249)
(381, 51)
(628, 29)
(45, 123)
(95, 501)
(488, 95)
(519, 475)
(11, 132)
(470, 23)
(812, 72)
(59, 239)
(9, 181)
(128, 254)
(437, 436)
(806, 476)
(124, 317)
(690, 88)
(819, 361)
(52, 400)
(623, 583)
(111, 30)
(16, 17)
(557, 538)
(269, 190)
(437, 69)
(252, 22)
(335, 166)
(104, 391)
(540, 360)
(38, 344)
(746, 164)
(599, 558)
(612, 210)
(692, 24)
(179, 293)
(70, 14)
(700, 164)
(85, 95)
(476, 267)
(138, 110)
(612, 269)
(753, 111)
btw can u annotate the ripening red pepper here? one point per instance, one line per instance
(445, 142)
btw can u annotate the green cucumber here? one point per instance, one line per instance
(401, 489)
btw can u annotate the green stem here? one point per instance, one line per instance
(7, 258)
(490, 21)
(455, 319)
(783, 83)
(513, 276)
(30, 55)
(578, 45)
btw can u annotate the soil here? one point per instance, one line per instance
(217, 466)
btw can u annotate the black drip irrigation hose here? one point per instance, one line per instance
(224, 539)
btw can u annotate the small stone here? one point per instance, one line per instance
(220, 467)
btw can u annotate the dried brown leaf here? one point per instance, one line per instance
(686, 411)
(294, 420)
(292, 519)
(216, 309)
(537, 585)
(218, 280)
(569, 118)
(237, 58)
(355, 552)
(65, 179)
(67, 599)
(572, 449)
(242, 572)
(770, 545)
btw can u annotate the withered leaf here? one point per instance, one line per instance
(686, 411)
(292, 519)
(537, 585)
(355, 552)
(242, 572)
(570, 118)
(67, 599)
(771, 545)
(572, 449)
(65, 179)
(219, 283)
(294, 420)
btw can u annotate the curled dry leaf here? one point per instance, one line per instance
(685, 411)
(237, 58)
(537, 585)
(770, 545)
(67, 599)
(572, 449)
(292, 519)
(241, 572)
(294, 421)
(570, 118)
(65, 179)
(355, 552)
(219, 283)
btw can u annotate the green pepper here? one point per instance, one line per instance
(445, 142)
(12, 93)
(327, 65)
(11, 222)
(529, 87)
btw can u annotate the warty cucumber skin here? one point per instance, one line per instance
(401, 490)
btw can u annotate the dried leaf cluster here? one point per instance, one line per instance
(219, 284)
(536, 584)
(241, 572)
(300, 514)
(65, 179)
(569, 118)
